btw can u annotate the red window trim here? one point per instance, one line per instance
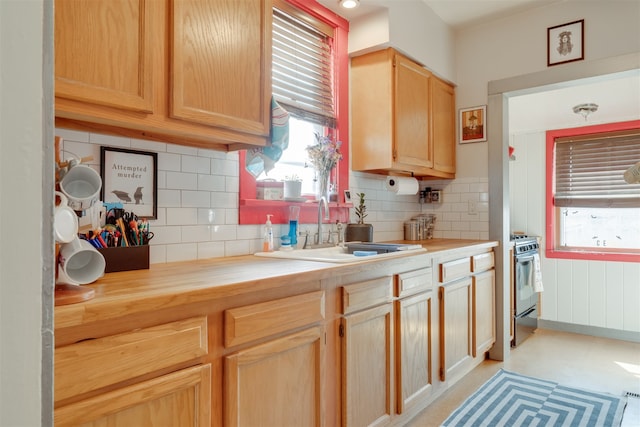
(253, 211)
(551, 251)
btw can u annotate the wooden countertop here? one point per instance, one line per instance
(180, 283)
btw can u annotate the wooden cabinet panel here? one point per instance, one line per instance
(453, 270)
(113, 32)
(366, 294)
(403, 117)
(413, 282)
(188, 72)
(93, 364)
(484, 322)
(482, 262)
(414, 350)
(277, 383)
(182, 398)
(367, 367)
(220, 62)
(455, 327)
(412, 102)
(443, 125)
(249, 323)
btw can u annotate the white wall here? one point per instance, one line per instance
(516, 46)
(411, 27)
(589, 293)
(578, 293)
(26, 246)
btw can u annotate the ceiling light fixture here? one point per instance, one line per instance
(585, 109)
(349, 4)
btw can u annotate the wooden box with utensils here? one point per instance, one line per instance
(126, 258)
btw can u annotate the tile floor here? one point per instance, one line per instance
(581, 361)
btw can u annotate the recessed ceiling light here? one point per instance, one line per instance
(349, 4)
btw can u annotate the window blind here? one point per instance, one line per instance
(302, 69)
(589, 170)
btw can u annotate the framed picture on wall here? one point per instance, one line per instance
(472, 124)
(131, 178)
(565, 43)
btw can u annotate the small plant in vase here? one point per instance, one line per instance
(359, 232)
(292, 187)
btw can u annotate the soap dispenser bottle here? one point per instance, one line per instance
(267, 242)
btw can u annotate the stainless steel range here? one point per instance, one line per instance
(525, 314)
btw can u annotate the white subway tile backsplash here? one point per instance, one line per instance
(197, 201)
(169, 162)
(182, 252)
(182, 216)
(196, 233)
(211, 183)
(169, 198)
(182, 181)
(194, 164)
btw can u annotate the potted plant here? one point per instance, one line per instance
(359, 232)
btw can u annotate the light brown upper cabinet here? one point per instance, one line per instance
(403, 117)
(188, 72)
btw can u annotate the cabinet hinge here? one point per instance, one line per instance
(341, 330)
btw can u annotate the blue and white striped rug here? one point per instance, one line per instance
(509, 399)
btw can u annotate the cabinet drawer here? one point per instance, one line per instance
(452, 270)
(90, 365)
(413, 282)
(252, 322)
(361, 295)
(482, 262)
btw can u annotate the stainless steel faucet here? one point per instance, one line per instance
(322, 202)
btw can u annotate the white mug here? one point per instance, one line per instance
(80, 262)
(82, 185)
(65, 221)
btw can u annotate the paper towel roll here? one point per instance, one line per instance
(402, 185)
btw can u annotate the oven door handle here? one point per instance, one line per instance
(524, 258)
(526, 313)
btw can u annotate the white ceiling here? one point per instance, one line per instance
(618, 96)
(456, 13)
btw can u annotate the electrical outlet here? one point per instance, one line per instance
(473, 207)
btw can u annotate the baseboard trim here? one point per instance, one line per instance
(595, 331)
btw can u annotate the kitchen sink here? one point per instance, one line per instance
(345, 254)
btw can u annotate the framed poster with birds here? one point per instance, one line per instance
(131, 178)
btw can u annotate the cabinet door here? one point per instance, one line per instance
(182, 398)
(276, 383)
(221, 63)
(367, 361)
(455, 327)
(412, 89)
(104, 52)
(414, 350)
(443, 125)
(484, 325)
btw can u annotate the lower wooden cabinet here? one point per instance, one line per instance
(455, 328)
(181, 398)
(277, 383)
(484, 318)
(367, 366)
(414, 350)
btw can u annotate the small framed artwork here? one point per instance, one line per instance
(565, 43)
(347, 196)
(472, 124)
(131, 178)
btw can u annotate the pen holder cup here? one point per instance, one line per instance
(126, 258)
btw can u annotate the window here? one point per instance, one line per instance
(592, 212)
(310, 81)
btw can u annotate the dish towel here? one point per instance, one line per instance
(537, 274)
(263, 159)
